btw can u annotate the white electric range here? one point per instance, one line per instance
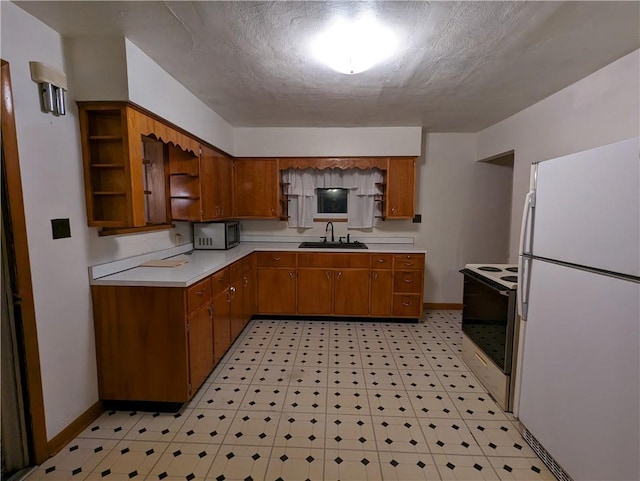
(489, 328)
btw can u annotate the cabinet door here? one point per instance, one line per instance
(315, 291)
(256, 188)
(250, 284)
(401, 181)
(276, 290)
(208, 183)
(236, 292)
(381, 292)
(200, 346)
(225, 186)
(351, 292)
(221, 325)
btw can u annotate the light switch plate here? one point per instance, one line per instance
(60, 228)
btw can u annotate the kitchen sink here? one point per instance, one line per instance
(333, 245)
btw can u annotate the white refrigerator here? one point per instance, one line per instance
(579, 299)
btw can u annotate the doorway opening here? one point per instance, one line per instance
(24, 439)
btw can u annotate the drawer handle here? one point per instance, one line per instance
(408, 281)
(479, 357)
(406, 304)
(408, 263)
(200, 292)
(380, 261)
(276, 258)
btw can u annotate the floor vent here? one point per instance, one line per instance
(546, 458)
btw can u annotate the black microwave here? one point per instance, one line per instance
(216, 235)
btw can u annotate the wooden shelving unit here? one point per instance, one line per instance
(105, 152)
(284, 201)
(380, 200)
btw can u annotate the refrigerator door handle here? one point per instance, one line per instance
(529, 202)
(523, 284)
(524, 269)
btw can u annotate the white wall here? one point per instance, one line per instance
(50, 160)
(154, 89)
(465, 207)
(96, 77)
(600, 109)
(324, 142)
(51, 164)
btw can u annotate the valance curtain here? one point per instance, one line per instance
(302, 185)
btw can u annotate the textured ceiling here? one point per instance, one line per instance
(462, 66)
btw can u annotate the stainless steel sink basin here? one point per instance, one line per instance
(333, 245)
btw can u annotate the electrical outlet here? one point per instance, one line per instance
(60, 228)
(417, 219)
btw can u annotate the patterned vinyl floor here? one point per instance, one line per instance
(318, 400)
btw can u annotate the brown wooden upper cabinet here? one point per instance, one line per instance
(256, 188)
(125, 164)
(200, 186)
(400, 191)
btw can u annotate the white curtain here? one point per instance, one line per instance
(302, 185)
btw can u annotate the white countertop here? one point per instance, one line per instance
(201, 263)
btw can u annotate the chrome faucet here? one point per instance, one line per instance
(326, 229)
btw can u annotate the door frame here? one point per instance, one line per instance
(35, 402)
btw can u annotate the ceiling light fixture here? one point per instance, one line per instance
(353, 47)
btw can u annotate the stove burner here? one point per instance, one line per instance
(489, 269)
(512, 269)
(509, 278)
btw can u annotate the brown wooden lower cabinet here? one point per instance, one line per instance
(351, 292)
(142, 343)
(340, 284)
(315, 291)
(236, 301)
(160, 343)
(200, 329)
(221, 325)
(381, 292)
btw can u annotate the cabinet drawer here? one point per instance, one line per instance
(407, 305)
(381, 261)
(408, 261)
(220, 281)
(354, 260)
(407, 281)
(315, 259)
(198, 294)
(276, 259)
(338, 260)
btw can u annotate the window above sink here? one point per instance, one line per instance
(331, 203)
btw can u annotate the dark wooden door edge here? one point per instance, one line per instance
(25, 291)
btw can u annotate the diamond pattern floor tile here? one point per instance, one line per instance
(296, 400)
(352, 465)
(464, 468)
(295, 464)
(408, 467)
